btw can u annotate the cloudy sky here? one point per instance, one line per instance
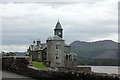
(85, 21)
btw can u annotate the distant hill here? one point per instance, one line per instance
(17, 53)
(20, 53)
(95, 50)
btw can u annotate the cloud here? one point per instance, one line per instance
(19, 1)
(12, 48)
(25, 22)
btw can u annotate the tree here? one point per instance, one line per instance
(11, 54)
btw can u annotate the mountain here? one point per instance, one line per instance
(95, 50)
(20, 53)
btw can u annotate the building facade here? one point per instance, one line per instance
(55, 51)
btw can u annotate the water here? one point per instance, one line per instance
(105, 69)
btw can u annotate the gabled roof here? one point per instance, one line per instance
(58, 25)
(37, 47)
(66, 45)
(43, 45)
(31, 47)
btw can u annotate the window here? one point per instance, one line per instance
(57, 57)
(39, 56)
(57, 46)
(58, 52)
(57, 62)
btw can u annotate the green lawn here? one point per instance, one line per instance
(39, 65)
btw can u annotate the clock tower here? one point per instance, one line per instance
(58, 29)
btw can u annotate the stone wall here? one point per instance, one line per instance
(70, 64)
(75, 69)
(56, 56)
(15, 63)
(36, 55)
(67, 49)
(21, 66)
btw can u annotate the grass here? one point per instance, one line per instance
(39, 65)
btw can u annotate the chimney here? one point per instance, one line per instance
(38, 42)
(34, 42)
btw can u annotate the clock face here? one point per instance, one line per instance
(59, 33)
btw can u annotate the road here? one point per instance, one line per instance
(6, 74)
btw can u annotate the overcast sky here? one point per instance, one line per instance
(24, 22)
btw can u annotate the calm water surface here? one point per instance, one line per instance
(105, 69)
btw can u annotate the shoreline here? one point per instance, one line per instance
(104, 69)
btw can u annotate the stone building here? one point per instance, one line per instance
(55, 51)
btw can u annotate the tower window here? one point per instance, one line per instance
(58, 52)
(57, 33)
(57, 62)
(58, 46)
(57, 57)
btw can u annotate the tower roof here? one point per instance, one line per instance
(34, 41)
(58, 25)
(55, 37)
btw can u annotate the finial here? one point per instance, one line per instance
(34, 41)
(58, 20)
(48, 38)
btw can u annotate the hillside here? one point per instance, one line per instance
(20, 53)
(95, 50)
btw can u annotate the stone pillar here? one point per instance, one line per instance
(69, 57)
(72, 57)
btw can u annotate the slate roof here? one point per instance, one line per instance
(55, 37)
(43, 45)
(65, 44)
(31, 47)
(36, 47)
(58, 25)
